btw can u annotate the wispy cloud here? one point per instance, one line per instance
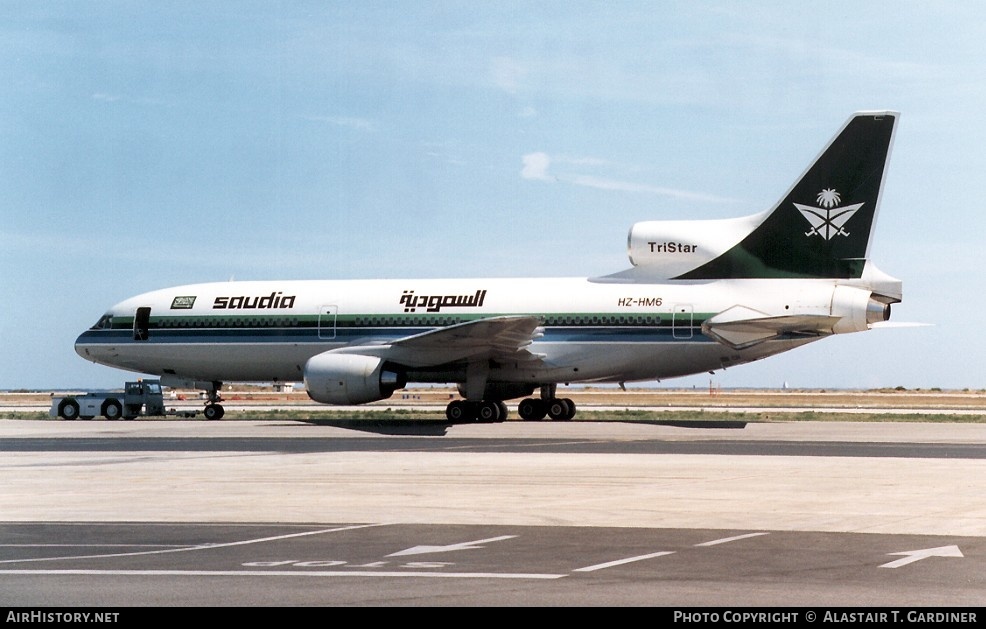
(536, 166)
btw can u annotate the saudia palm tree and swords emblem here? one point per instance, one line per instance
(828, 221)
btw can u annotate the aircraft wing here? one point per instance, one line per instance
(503, 338)
(741, 327)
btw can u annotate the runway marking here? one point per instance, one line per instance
(620, 562)
(90, 545)
(730, 539)
(422, 550)
(281, 573)
(910, 556)
(197, 547)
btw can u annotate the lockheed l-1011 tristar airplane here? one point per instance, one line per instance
(700, 295)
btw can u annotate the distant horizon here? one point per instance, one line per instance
(239, 386)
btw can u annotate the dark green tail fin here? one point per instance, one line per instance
(822, 227)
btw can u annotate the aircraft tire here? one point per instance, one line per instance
(68, 409)
(112, 410)
(571, 409)
(504, 411)
(459, 411)
(489, 412)
(531, 409)
(214, 411)
(559, 408)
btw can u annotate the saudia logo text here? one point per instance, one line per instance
(434, 303)
(274, 300)
(828, 221)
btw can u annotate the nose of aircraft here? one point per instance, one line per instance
(82, 346)
(90, 348)
(90, 341)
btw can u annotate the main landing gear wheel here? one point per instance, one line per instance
(533, 409)
(487, 411)
(561, 408)
(458, 411)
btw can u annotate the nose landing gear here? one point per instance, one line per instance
(213, 409)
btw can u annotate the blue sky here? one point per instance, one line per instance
(144, 145)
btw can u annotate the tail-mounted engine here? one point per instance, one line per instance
(857, 309)
(670, 248)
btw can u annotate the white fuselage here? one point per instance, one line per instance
(592, 330)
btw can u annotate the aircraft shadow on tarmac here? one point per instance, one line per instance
(439, 428)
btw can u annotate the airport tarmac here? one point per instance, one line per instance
(599, 485)
(471, 479)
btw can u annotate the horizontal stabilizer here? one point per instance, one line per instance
(741, 327)
(898, 324)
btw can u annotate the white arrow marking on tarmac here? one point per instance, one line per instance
(420, 550)
(910, 556)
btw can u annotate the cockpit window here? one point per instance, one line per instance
(105, 322)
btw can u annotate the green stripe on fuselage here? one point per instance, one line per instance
(568, 319)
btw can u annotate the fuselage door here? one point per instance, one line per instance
(327, 322)
(681, 321)
(142, 323)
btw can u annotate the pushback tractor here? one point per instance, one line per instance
(141, 398)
